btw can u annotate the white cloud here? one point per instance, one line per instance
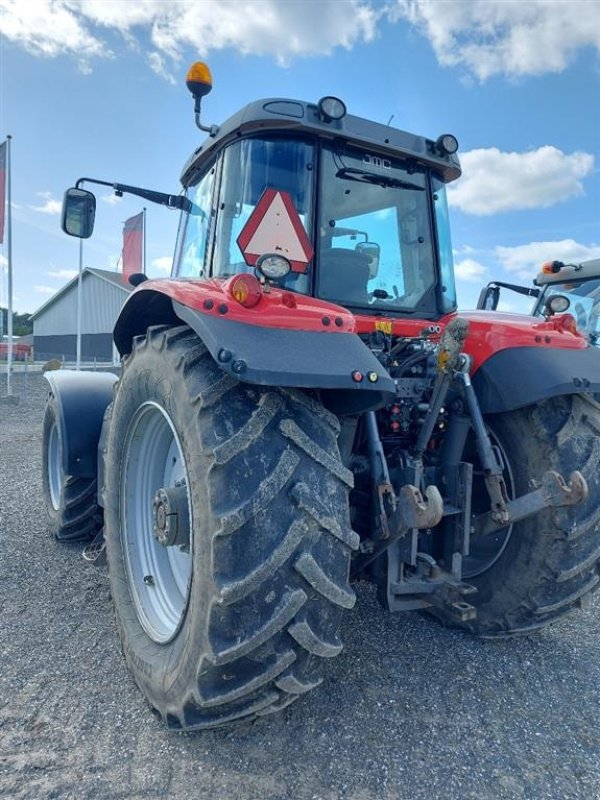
(47, 28)
(45, 289)
(525, 260)
(163, 264)
(63, 273)
(158, 65)
(469, 270)
(490, 37)
(112, 199)
(50, 206)
(283, 30)
(494, 181)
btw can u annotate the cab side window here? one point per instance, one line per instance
(191, 255)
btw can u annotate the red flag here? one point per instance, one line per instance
(133, 237)
(2, 188)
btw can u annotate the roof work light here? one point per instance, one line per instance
(446, 144)
(331, 108)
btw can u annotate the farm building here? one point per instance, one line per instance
(55, 323)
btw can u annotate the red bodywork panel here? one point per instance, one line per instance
(276, 309)
(489, 331)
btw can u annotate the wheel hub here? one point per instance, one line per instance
(170, 515)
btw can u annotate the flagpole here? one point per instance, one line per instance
(9, 327)
(78, 363)
(144, 240)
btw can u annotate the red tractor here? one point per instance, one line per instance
(300, 405)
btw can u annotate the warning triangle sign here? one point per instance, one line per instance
(275, 227)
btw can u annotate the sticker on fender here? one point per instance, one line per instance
(384, 325)
(275, 227)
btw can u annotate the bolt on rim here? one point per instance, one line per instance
(159, 576)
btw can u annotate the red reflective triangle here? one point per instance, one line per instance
(275, 227)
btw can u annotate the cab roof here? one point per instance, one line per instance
(273, 115)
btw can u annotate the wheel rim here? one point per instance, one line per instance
(159, 577)
(54, 468)
(486, 550)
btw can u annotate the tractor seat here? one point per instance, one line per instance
(343, 275)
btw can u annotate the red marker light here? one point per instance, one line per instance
(565, 323)
(245, 289)
(357, 376)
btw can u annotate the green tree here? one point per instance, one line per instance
(22, 323)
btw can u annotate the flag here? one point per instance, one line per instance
(133, 239)
(2, 188)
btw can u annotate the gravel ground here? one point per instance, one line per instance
(409, 710)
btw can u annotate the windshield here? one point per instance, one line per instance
(375, 243)
(585, 304)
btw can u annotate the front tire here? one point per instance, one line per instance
(546, 565)
(71, 502)
(236, 623)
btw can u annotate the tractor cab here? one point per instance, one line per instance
(322, 203)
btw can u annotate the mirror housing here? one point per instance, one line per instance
(78, 213)
(373, 252)
(489, 298)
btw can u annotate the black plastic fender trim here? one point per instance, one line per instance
(81, 398)
(522, 376)
(294, 358)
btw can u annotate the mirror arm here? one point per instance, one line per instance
(163, 199)
(515, 288)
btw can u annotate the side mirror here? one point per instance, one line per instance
(78, 212)
(489, 298)
(373, 252)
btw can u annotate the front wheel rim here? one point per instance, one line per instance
(54, 468)
(159, 577)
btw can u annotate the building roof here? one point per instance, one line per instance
(115, 278)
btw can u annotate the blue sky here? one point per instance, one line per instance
(97, 88)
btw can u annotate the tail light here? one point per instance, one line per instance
(246, 290)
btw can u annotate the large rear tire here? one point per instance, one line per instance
(547, 565)
(234, 622)
(71, 502)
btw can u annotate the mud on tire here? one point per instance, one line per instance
(71, 502)
(551, 562)
(270, 541)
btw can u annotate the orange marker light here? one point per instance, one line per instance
(246, 290)
(552, 267)
(198, 79)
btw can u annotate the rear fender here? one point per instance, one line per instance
(302, 347)
(521, 376)
(81, 399)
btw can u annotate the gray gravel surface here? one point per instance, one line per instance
(409, 710)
